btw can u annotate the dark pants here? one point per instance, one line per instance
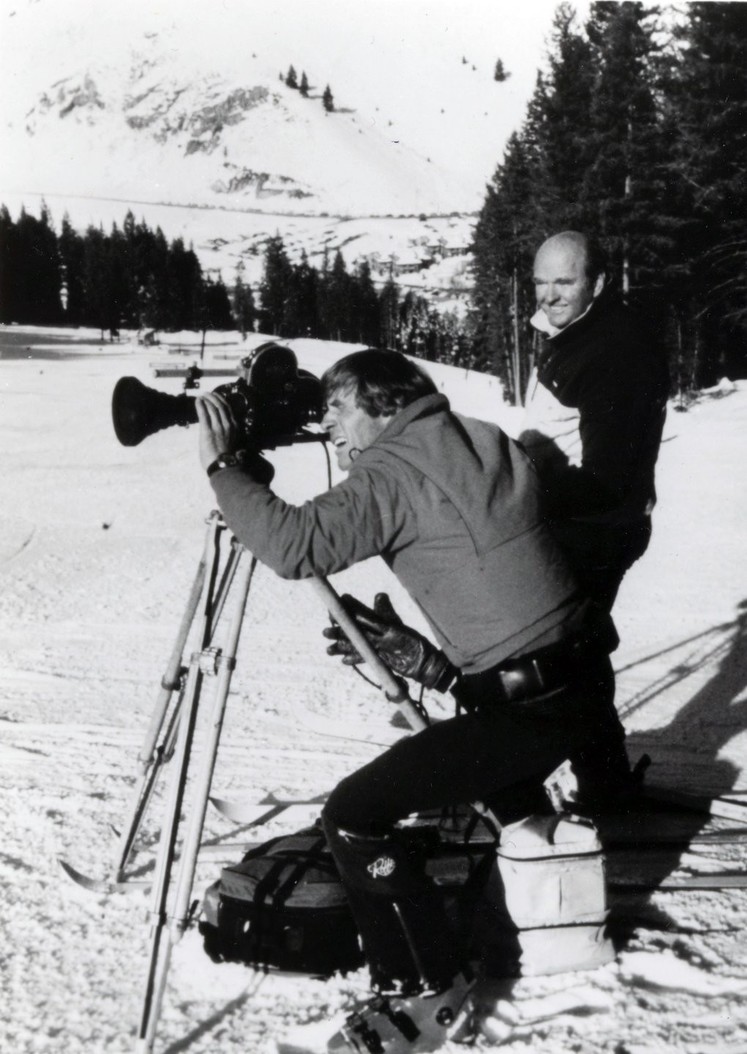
(482, 756)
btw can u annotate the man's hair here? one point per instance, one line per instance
(596, 262)
(383, 382)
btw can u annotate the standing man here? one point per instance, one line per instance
(453, 507)
(594, 415)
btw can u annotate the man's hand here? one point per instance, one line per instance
(405, 651)
(217, 429)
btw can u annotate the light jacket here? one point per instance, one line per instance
(452, 505)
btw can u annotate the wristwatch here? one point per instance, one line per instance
(225, 461)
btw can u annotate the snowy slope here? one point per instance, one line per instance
(98, 546)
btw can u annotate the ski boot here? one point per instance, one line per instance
(389, 1024)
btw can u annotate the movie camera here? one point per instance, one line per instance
(272, 402)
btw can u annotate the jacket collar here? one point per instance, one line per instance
(426, 406)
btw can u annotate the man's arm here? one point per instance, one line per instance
(356, 519)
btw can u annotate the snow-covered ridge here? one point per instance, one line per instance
(151, 128)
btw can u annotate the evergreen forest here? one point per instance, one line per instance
(635, 133)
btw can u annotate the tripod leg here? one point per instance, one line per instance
(151, 755)
(158, 961)
(163, 939)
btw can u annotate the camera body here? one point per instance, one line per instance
(272, 402)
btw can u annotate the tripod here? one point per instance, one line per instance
(219, 577)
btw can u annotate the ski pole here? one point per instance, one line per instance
(394, 689)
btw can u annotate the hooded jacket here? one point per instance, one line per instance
(452, 505)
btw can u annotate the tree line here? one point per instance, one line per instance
(131, 277)
(335, 303)
(636, 133)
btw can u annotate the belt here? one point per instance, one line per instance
(529, 676)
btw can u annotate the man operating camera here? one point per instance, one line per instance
(453, 507)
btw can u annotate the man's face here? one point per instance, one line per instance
(563, 290)
(350, 428)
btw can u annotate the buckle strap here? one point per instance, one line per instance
(358, 1023)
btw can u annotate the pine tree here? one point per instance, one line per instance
(217, 307)
(506, 237)
(275, 286)
(71, 266)
(365, 306)
(184, 283)
(389, 315)
(300, 316)
(335, 300)
(8, 272)
(244, 311)
(304, 86)
(34, 277)
(328, 101)
(290, 78)
(499, 73)
(558, 124)
(623, 183)
(709, 99)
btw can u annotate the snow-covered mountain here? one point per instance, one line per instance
(185, 103)
(152, 131)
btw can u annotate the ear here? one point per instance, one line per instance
(598, 285)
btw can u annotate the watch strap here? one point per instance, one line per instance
(225, 461)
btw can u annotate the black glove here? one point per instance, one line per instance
(405, 651)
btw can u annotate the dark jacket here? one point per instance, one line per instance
(610, 379)
(452, 505)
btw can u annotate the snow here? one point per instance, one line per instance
(98, 547)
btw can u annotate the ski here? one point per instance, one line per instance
(254, 813)
(104, 885)
(715, 882)
(379, 733)
(672, 840)
(727, 806)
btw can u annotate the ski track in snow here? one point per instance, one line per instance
(98, 547)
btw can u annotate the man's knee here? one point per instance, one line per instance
(387, 862)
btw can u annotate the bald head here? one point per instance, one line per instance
(569, 272)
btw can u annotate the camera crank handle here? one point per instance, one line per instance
(394, 689)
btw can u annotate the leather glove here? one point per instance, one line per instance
(405, 651)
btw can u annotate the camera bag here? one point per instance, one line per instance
(284, 908)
